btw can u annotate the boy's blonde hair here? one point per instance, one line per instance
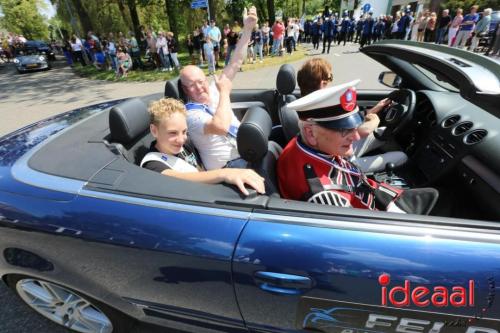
(163, 109)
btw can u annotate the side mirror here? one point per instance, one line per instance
(390, 79)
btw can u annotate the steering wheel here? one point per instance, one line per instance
(397, 115)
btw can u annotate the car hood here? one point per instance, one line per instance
(475, 76)
(29, 58)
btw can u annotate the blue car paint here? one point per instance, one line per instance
(173, 260)
(345, 264)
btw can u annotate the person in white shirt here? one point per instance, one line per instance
(212, 124)
(162, 49)
(215, 36)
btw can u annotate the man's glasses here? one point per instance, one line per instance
(193, 84)
(345, 131)
(329, 78)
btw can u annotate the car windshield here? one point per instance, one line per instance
(436, 79)
(27, 51)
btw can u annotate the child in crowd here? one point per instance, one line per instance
(124, 62)
(100, 59)
(208, 49)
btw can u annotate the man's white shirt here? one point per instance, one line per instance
(215, 150)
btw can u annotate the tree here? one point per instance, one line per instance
(83, 15)
(171, 6)
(270, 11)
(22, 17)
(132, 6)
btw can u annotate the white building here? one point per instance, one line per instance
(386, 7)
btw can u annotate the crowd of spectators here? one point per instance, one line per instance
(455, 31)
(211, 46)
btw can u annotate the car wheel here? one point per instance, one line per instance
(68, 308)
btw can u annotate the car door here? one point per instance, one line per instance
(299, 267)
(162, 261)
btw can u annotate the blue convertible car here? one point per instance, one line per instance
(93, 242)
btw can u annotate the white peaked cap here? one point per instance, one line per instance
(332, 107)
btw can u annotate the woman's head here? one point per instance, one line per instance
(315, 74)
(168, 125)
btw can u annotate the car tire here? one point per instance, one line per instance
(70, 309)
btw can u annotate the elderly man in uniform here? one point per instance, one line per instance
(314, 166)
(212, 125)
(315, 74)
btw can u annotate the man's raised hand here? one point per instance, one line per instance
(250, 19)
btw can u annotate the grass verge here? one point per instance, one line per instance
(154, 75)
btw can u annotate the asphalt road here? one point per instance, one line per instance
(27, 98)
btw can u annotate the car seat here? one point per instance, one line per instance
(173, 89)
(285, 86)
(129, 129)
(255, 148)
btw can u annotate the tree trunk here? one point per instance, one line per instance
(135, 18)
(261, 11)
(303, 7)
(172, 14)
(123, 11)
(84, 17)
(270, 11)
(213, 10)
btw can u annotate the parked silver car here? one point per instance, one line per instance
(30, 59)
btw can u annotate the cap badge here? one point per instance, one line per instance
(348, 100)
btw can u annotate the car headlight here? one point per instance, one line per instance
(41, 58)
(16, 61)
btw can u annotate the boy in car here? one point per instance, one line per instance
(170, 154)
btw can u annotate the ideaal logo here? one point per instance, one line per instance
(422, 296)
(439, 296)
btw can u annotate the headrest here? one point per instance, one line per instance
(173, 89)
(253, 134)
(128, 120)
(285, 81)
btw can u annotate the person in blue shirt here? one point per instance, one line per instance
(378, 30)
(403, 24)
(467, 27)
(352, 29)
(328, 29)
(316, 32)
(366, 35)
(359, 29)
(344, 28)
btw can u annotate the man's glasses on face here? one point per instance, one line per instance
(329, 78)
(345, 131)
(193, 84)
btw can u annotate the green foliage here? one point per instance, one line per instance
(22, 17)
(466, 4)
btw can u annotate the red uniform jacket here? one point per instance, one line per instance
(330, 171)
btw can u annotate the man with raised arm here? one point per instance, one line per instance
(212, 125)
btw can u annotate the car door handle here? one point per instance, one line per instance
(280, 283)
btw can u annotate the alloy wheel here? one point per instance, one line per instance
(63, 306)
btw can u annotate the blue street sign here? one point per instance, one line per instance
(199, 4)
(366, 7)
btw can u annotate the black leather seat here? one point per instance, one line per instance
(255, 148)
(285, 86)
(173, 89)
(129, 127)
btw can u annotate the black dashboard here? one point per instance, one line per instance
(456, 144)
